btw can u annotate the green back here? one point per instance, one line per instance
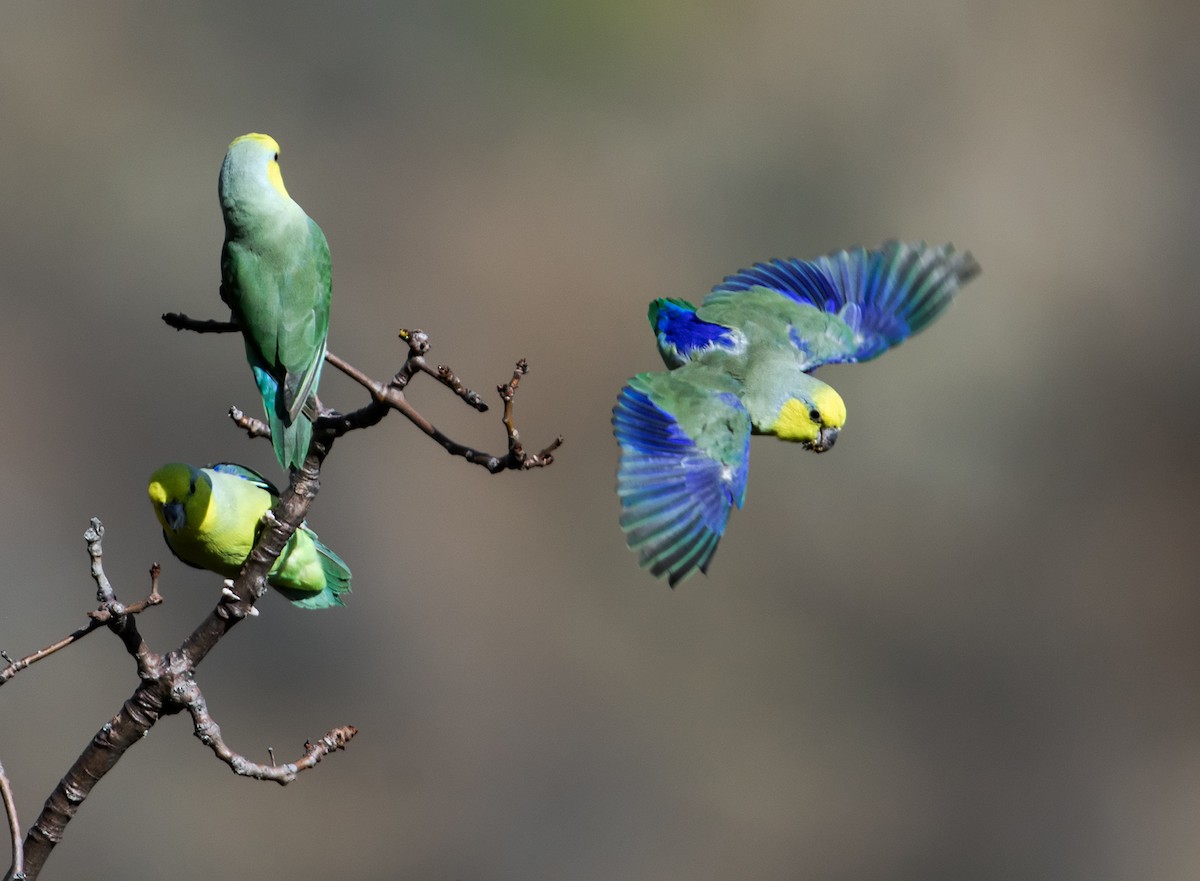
(768, 319)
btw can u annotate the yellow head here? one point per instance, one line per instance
(180, 495)
(813, 420)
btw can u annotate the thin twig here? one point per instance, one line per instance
(17, 666)
(525, 460)
(392, 396)
(209, 733)
(113, 613)
(99, 617)
(253, 427)
(179, 321)
(93, 536)
(17, 870)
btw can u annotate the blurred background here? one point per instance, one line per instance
(965, 644)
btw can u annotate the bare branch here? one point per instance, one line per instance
(17, 869)
(418, 347)
(390, 396)
(179, 321)
(253, 427)
(116, 616)
(515, 451)
(446, 377)
(128, 727)
(16, 667)
(209, 733)
(166, 681)
(93, 536)
(107, 613)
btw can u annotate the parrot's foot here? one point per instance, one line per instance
(228, 596)
(268, 519)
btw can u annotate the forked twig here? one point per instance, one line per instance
(106, 613)
(209, 733)
(390, 395)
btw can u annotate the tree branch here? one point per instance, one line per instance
(179, 321)
(17, 869)
(109, 612)
(167, 685)
(390, 396)
(209, 733)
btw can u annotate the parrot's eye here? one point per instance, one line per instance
(814, 414)
(192, 489)
(276, 157)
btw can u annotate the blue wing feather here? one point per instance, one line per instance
(884, 296)
(245, 474)
(675, 494)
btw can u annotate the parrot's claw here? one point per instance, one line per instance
(268, 518)
(228, 596)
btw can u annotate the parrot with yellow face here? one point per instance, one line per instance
(211, 518)
(740, 364)
(276, 280)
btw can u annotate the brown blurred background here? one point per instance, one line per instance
(964, 645)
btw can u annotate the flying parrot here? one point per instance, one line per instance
(741, 363)
(211, 518)
(275, 278)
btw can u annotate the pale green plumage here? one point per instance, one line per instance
(211, 518)
(276, 279)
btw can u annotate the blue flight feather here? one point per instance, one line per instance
(675, 495)
(884, 296)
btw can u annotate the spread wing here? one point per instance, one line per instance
(883, 296)
(685, 446)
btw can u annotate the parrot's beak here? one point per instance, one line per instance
(174, 515)
(825, 439)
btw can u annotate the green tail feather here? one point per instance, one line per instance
(337, 582)
(290, 441)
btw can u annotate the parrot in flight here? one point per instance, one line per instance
(741, 363)
(275, 278)
(211, 518)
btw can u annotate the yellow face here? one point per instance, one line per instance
(270, 146)
(178, 484)
(803, 421)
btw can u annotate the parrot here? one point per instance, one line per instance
(211, 518)
(275, 278)
(740, 364)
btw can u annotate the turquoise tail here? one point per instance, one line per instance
(290, 438)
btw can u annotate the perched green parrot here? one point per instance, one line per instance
(211, 518)
(275, 277)
(741, 364)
